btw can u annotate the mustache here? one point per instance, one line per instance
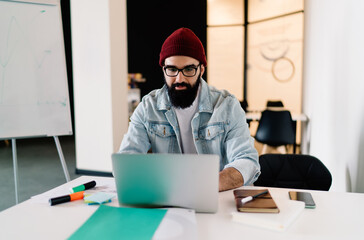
(182, 84)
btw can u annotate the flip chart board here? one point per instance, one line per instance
(34, 98)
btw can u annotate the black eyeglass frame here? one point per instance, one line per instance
(181, 70)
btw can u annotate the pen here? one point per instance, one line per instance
(83, 187)
(66, 198)
(247, 199)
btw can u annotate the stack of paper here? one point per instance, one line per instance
(289, 211)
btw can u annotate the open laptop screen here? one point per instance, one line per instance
(160, 180)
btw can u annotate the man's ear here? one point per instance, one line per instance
(202, 67)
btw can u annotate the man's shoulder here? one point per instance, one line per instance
(154, 95)
(221, 94)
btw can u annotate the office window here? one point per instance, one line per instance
(275, 62)
(225, 59)
(273, 47)
(263, 9)
(225, 12)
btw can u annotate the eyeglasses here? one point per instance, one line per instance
(188, 71)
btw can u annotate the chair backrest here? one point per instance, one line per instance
(271, 103)
(293, 171)
(275, 128)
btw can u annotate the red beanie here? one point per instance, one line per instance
(183, 42)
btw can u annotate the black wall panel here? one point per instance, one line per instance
(149, 24)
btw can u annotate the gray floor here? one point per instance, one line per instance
(39, 167)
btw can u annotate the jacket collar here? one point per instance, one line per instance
(205, 105)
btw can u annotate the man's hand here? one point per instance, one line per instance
(230, 178)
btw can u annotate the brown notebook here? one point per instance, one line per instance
(261, 204)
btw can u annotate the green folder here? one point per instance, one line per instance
(120, 223)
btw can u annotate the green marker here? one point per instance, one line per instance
(83, 187)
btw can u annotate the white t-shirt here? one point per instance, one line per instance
(184, 118)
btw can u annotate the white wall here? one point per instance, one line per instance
(334, 88)
(99, 50)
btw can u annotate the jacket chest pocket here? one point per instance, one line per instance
(211, 139)
(162, 130)
(211, 132)
(163, 138)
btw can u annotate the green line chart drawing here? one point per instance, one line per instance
(16, 38)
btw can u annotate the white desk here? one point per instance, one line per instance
(337, 216)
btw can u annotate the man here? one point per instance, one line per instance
(188, 116)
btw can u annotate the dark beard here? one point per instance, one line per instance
(183, 98)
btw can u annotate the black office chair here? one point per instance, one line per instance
(293, 171)
(271, 103)
(276, 128)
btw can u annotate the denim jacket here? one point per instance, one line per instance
(219, 127)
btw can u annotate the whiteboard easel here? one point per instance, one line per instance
(34, 98)
(15, 164)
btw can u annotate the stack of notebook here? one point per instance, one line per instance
(265, 211)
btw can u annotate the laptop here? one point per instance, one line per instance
(167, 180)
